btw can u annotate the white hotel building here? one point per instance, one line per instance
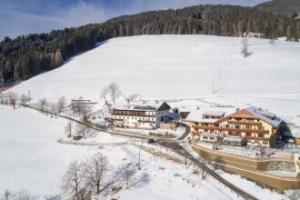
(140, 116)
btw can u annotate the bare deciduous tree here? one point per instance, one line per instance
(82, 109)
(82, 131)
(61, 104)
(12, 99)
(94, 176)
(53, 109)
(96, 170)
(74, 185)
(43, 104)
(113, 91)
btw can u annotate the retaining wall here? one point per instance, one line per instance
(251, 168)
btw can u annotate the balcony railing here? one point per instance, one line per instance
(244, 123)
(231, 129)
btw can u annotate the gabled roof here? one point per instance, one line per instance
(242, 113)
(157, 106)
(163, 106)
(259, 113)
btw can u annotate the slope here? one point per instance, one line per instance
(173, 67)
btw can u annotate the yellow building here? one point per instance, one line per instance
(253, 124)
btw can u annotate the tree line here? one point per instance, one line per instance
(26, 56)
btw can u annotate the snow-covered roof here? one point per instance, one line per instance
(265, 115)
(143, 105)
(259, 113)
(197, 115)
(214, 113)
(271, 118)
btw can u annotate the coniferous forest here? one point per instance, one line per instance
(26, 56)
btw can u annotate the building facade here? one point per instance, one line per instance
(140, 116)
(253, 124)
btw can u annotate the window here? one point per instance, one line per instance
(265, 142)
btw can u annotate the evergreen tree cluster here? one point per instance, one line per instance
(27, 56)
(290, 8)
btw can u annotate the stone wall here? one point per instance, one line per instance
(253, 169)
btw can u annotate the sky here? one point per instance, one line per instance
(19, 17)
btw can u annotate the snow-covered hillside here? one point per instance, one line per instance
(172, 67)
(185, 70)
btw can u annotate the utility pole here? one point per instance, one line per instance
(139, 165)
(29, 98)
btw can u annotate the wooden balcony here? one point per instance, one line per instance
(231, 129)
(244, 123)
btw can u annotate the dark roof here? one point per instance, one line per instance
(146, 107)
(164, 106)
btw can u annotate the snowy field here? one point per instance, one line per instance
(30, 157)
(32, 160)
